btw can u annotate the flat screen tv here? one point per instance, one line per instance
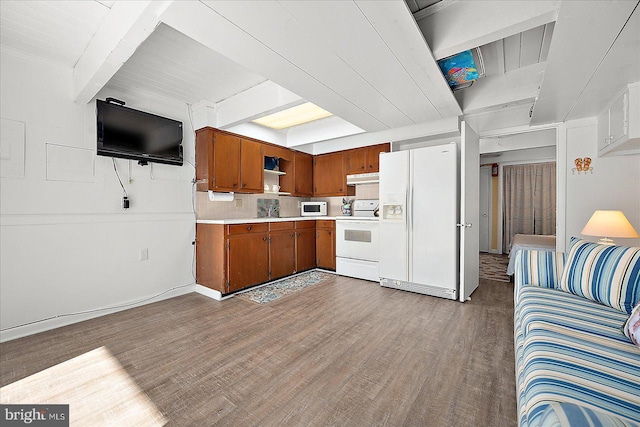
(131, 134)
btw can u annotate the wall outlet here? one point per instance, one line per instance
(238, 203)
(144, 254)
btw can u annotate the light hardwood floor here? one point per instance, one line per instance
(344, 352)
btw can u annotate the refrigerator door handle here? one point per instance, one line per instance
(465, 225)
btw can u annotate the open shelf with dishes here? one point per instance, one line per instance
(272, 183)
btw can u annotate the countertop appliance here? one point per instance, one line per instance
(357, 248)
(313, 208)
(418, 216)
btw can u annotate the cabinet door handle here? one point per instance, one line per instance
(264, 238)
(297, 234)
(235, 184)
(244, 184)
(291, 235)
(249, 228)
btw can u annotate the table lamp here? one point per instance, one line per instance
(607, 224)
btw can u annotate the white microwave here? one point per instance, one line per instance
(313, 208)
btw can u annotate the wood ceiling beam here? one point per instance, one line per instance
(258, 101)
(468, 24)
(404, 39)
(223, 35)
(496, 92)
(125, 27)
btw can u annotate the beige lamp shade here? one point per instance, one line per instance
(608, 224)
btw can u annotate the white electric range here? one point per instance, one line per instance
(357, 248)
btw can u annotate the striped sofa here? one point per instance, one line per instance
(574, 365)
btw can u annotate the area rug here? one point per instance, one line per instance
(494, 267)
(281, 288)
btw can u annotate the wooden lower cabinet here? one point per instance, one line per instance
(326, 244)
(282, 250)
(235, 256)
(305, 245)
(247, 260)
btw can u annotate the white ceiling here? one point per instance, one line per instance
(621, 67)
(373, 64)
(56, 30)
(517, 51)
(171, 64)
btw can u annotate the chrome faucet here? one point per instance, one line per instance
(275, 210)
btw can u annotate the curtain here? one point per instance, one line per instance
(529, 200)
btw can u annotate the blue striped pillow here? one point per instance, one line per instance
(538, 268)
(609, 275)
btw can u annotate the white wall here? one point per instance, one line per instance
(66, 244)
(520, 156)
(614, 184)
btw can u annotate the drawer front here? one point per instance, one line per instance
(255, 227)
(277, 226)
(305, 224)
(325, 223)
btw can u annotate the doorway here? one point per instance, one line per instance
(485, 209)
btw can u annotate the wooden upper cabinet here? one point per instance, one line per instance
(299, 174)
(227, 162)
(365, 159)
(272, 150)
(251, 166)
(329, 178)
(217, 161)
(230, 162)
(373, 156)
(303, 174)
(356, 161)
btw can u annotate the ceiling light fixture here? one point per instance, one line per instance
(300, 114)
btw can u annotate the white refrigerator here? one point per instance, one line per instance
(419, 211)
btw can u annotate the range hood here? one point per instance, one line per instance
(363, 178)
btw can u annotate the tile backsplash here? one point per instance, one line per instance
(245, 206)
(268, 208)
(363, 191)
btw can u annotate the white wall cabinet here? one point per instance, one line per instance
(619, 124)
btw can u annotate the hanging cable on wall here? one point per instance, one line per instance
(125, 196)
(193, 190)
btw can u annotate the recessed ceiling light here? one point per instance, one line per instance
(300, 114)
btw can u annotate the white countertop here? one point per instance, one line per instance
(358, 218)
(254, 220)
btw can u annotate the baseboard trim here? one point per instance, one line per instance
(65, 320)
(218, 296)
(210, 293)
